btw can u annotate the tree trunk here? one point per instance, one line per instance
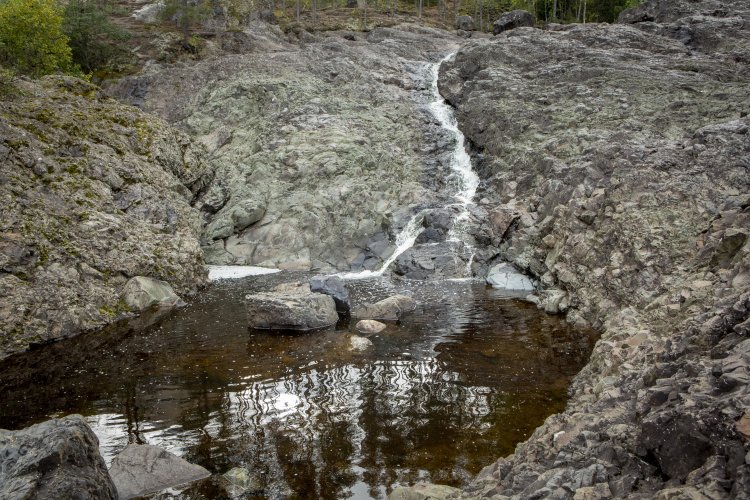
(298, 10)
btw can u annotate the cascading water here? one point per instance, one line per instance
(462, 182)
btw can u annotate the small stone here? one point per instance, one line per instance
(370, 326)
(142, 292)
(743, 425)
(359, 344)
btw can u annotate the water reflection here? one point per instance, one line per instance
(440, 395)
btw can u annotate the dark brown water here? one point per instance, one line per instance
(455, 385)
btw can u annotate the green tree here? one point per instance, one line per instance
(187, 14)
(93, 38)
(31, 37)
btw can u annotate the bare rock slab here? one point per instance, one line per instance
(58, 458)
(142, 469)
(290, 307)
(506, 277)
(390, 309)
(141, 292)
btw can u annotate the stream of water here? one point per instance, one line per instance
(462, 183)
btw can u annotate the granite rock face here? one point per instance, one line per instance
(617, 159)
(92, 193)
(321, 142)
(58, 458)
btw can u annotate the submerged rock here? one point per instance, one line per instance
(56, 459)
(511, 20)
(359, 344)
(142, 292)
(390, 309)
(142, 469)
(238, 481)
(506, 277)
(425, 491)
(290, 307)
(369, 326)
(336, 288)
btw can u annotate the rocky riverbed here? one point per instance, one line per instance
(614, 163)
(621, 154)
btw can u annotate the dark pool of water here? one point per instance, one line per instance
(455, 385)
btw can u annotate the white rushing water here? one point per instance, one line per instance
(463, 180)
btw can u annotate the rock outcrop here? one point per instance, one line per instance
(320, 143)
(92, 193)
(58, 458)
(617, 159)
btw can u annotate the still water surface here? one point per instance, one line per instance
(455, 385)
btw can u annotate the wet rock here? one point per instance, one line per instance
(465, 23)
(390, 309)
(290, 307)
(58, 458)
(359, 344)
(239, 481)
(336, 288)
(506, 277)
(511, 20)
(369, 326)
(141, 292)
(424, 491)
(142, 469)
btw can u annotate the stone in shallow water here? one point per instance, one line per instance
(290, 307)
(239, 480)
(506, 277)
(141, 293)
(424, 491)
(359, 344)
(58, 458)
(142, 469)
(390, 309)
(370, 326)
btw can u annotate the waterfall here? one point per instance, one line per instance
(463, 181)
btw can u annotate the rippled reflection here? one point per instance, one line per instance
(440, 395)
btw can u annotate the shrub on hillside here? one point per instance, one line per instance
(31, 37)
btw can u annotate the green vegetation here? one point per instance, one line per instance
(94, 40)
(187, 14)
(31, 37)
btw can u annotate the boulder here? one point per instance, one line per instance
(335, 287)
(465, 23)
(141, 292)
(55, 459)
(506, 277)
(290, 307)
(142, 469)
(390, 309)
(369, 326)
(511, 20)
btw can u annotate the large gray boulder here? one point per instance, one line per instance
(142, 292)
(55, 459)
(511, 20)
(290, 307)
(142, 469)
(336, 288)
(390, 309)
